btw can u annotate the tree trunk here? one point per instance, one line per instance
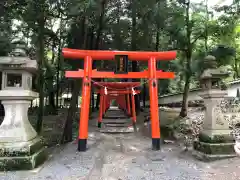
(67, 134)
(100, 24)
(236, 69)
(144, 95)
(99, 33)
(40, 54)
(2, 114)
(51, 95)
(117, 34)
(188, 55)
(134, 48)
(59, 61)
(157, 39)
(157, 49)
(92, 100)
(53, 52)
(184, 108)
(206, 26)
(52, 102)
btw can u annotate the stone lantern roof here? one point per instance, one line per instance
(19, 48)
(212, 75)
(18, 59)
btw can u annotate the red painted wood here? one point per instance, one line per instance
(109, 55)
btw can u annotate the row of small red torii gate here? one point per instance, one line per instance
(115, 90)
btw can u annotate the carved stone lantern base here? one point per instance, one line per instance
(215, 140)
(20, 147)
(218, 146)
(22, 156)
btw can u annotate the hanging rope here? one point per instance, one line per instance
(115, 89)
(105, 91)
(133, 92)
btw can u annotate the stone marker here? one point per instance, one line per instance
(215, 140)
(20, 147)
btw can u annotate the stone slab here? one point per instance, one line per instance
(216, 137)
(117, 130)
(23, 162)
(211, 157)
(115, 117)
(116, 121)
(22, 156)
(20, 149)
(118, 125)
(214, 149)
(16, 94)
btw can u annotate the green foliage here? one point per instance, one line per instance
(5, 46)
(161, 25)
(5, 28)
(223, 54)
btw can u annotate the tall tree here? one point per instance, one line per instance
(75, 37)
(134, 34)
(185, 37)
(97, 43)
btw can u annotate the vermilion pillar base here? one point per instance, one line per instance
(156, 144)
(82, 145)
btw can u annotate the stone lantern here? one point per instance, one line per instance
(215, 141)
(211, 76)
(20, 147)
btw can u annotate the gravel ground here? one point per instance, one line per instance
(126, 157)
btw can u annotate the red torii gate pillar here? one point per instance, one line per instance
(152, 74)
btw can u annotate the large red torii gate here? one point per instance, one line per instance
(88, 73)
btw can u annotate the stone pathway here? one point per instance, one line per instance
(116, 121)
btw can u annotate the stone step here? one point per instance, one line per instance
(115, 114)
(118, 125)
(116, 121)
(115, 117)
(110, 111)
(117, 130)
(115, 111)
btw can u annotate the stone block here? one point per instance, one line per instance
(218, 148)
(211, 157)
(216, 138)
(22, 156)
(210, 148)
